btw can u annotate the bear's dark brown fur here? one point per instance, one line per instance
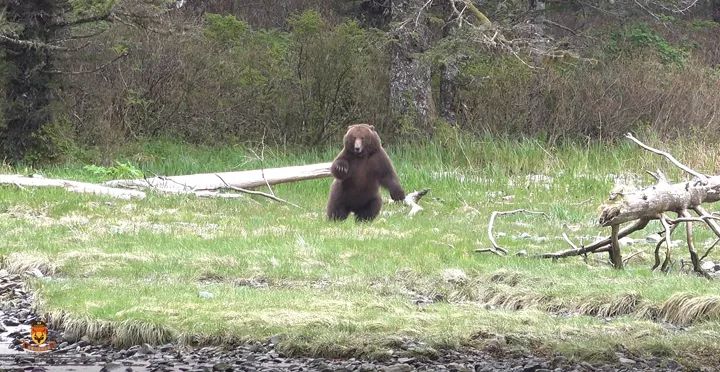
(359, 170)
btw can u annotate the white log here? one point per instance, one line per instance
(651, 202)
(215, 181)
(73, 186)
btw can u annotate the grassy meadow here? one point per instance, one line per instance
(221, 271)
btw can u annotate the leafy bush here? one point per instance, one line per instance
(119, 170)
(640, 37)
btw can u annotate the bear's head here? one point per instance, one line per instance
(361, 140)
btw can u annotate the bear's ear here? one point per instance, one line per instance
(372, 127)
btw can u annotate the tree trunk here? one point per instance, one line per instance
(27, 88)
(410, 78)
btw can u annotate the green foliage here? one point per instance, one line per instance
(309, 82)
(307, 24)
(640, 37)
(55, 141)
(226, 30)
(704, 24)
(119, 170)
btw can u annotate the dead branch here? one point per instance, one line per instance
(691, 246)
(412, 200)
(666, 238)
(491, 250)
(260, 193)
(72, 186)
(653, 203)
(628, 258)
(668, 156)
(710, 249)
(615, 254)
(496, 248)
(668, 242)
(598, 245)
(567, 239)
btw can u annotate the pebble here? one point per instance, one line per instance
(206, 295)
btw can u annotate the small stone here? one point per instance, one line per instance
(708, 266)
(112, 367)
(626, 241)
(222, 367)
(146, 349)
(11, 322)
(653, 238)
(399, 368)
(457, 367)
(626, 361)
(206, 295)
(277, 339)
(521, 253)
(524, 236)
(36, 273)
(456, 276)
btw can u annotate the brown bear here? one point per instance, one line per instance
(359, 170)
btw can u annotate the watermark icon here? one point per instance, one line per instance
(39, 337)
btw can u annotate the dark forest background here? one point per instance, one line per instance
(83, 78)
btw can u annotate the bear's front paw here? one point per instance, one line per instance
(341, 169)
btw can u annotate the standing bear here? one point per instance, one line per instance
(359, 170)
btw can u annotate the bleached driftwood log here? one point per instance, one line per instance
(208, 184)
(653, 203)
(216, 181)
(73, 186)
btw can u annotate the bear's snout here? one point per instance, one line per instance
(358, 146)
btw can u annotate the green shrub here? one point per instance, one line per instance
(640, 37)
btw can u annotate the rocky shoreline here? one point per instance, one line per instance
(16, 316)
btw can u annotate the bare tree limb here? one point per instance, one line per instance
(260, 193)
(101, 67)
(710, 249)
(598, 245)
(491, 223)
(628, 258)
(667, 155)
(691, 246)
(615, 254)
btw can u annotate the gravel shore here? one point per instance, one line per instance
(82, 355)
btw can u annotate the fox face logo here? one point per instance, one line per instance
(38, 332)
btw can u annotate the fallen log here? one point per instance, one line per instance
(72, 186)
(654, 203)
(208, 184)
(216, 181)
